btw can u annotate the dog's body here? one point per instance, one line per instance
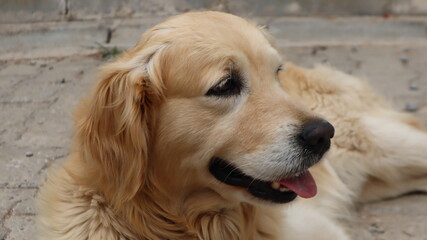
(201, 90)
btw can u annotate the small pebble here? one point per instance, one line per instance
(51, 67)
(29, 154)
(354, 49)
(314, 51)
(318, 48)
(411, 107)
(32, 63)
(413, 87)
(43, 65)
(373, 229)
(403, 59)
(325, 60)
(61, 80)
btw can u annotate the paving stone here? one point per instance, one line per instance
(21, 227)
(52, 126)
(17, 70)
(25, 90)
(25, 207)
(81, 9)
(28, 11)
(340, 31)
(61, 10)
(127, 33)
(305, 7)
(409, 213)
(19, 171)
(13, 118)
(62, 39)
(409, 7)
(3, 233)
(13, 197)
(96, 9)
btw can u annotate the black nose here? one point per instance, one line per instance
(316, 136)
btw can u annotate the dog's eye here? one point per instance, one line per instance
(228, 86)
(279, 69)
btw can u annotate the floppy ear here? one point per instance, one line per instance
(113, 135)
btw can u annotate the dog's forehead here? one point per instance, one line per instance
(201, 46)
(218, 31)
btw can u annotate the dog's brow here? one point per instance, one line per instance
(231, 66)
(264, 30)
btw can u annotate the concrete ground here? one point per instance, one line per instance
(45, 69)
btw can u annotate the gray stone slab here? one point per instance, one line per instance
(127, 33)
(200, 5)
(21, 200)
(17, 70)
(15, 11)
(306, 7)
(51, 126)
(21, 227)
(3, 232)
(27, 92)
(341, 31)
(31, 10)
(12, 74)
(54, 40)
(414, 7)
(26, 207)
(326, 7)
(81, 9)
(12, 120)
(97, 9)
(404, 218)
(20, 171)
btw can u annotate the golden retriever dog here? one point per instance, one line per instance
(200, 132)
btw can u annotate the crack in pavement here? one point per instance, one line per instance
(8, 214)
(31, 115)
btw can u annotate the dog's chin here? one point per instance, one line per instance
(274, 191)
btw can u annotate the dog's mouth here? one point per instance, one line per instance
(281, 191)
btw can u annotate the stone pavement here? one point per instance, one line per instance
(16, 11)
(45, 69)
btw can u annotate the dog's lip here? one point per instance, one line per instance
(285, 191)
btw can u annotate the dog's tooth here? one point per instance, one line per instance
(283, 189)
(275, 185)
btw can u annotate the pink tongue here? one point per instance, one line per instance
(303, 185)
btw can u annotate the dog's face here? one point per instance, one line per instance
(226, 117)
(221, 119)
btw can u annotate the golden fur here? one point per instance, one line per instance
(145, 136)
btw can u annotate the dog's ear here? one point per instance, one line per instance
(113, 132)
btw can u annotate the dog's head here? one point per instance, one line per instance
(197, 104)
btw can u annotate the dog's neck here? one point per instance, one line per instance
(203, 214)
(157, 211)
(154, 213)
